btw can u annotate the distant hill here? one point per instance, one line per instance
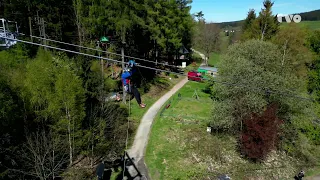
(310, 16)
(305, 16)
(231, 24)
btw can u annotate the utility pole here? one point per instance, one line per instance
(30, 25)
(42, 30)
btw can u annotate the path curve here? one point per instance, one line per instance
(141, 138)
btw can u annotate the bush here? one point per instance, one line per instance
(173, 76)
(160, 81)
(260, 134)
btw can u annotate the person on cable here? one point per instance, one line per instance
(128, 86)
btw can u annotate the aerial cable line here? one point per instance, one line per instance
(89, 55)
(84, 47)
(225, 83)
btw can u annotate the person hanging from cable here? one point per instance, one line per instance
(129, 86)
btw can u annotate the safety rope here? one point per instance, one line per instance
(124, 156)
(144, 80)
(84, 47)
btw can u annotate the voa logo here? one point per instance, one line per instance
(289, 18)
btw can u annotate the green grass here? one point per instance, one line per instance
(313, 172)
(180, 148)
(114, 175)
(313, 25)
(166, 153)
(214, 59)
(149, 98)
(136, 113)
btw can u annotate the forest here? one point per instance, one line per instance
(56, 121)
(53, 108)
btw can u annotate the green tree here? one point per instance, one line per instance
(249, 20)
(69, 104)
(295, 55)
(55, 91)
(314, 73)
(39, 84)
(255, 67)
(264, 26)
(210, 39)
(199, 16)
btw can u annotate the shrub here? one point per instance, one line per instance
(260, 133)
(160, 81)
(173, 76)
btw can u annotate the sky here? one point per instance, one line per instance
(233, 10)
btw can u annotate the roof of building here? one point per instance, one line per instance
(214, 69)
(183, 50)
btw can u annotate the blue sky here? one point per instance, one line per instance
(233, 10)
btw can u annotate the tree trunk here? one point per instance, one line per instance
(284, 52)
(69, 136)
(263, 31)
(92, 149)
(76, 5)
(53, 164)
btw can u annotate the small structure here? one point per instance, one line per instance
(182, 58)
(206, 70)
(8, 29)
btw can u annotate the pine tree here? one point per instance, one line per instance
(264, 26)
(268, 24)
(249, 20)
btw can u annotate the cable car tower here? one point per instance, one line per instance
(8, 29)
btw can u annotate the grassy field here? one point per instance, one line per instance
(313, 173)
(167, 151)
(313, 25)
(180, 148)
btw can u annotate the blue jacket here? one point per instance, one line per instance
(125, 77)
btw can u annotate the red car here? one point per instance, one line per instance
(194, 76)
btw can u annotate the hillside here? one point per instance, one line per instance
(232, 24)
(305, 16)
(313, 25)
(310, 16)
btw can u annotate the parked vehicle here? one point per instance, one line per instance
(195, 76)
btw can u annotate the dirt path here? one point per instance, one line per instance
(202, 56)
(141, 139)
(140, 142)
(313, 178)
